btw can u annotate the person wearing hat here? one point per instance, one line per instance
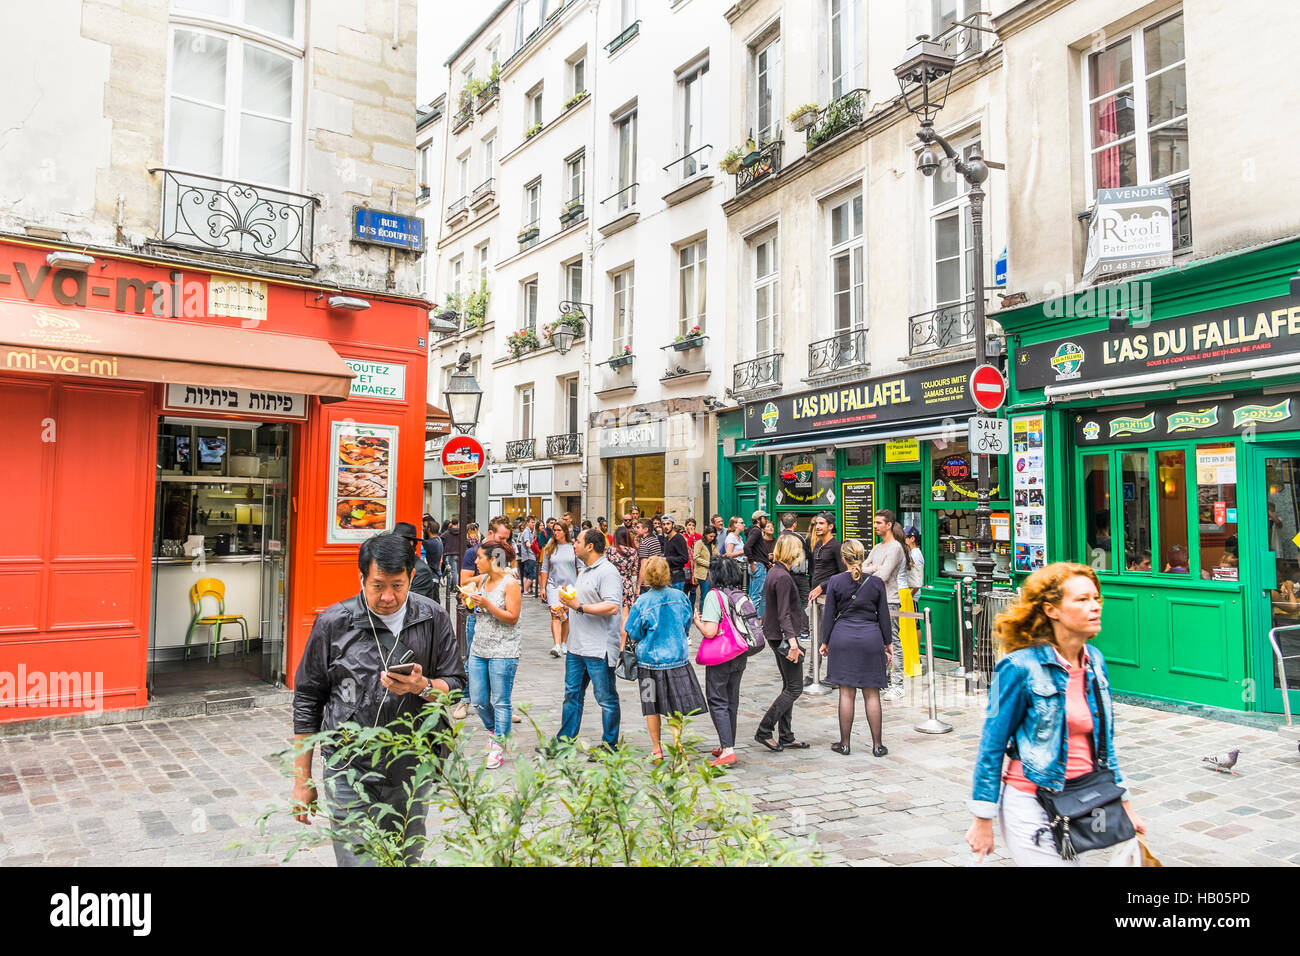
(423, 583)
(758, 556)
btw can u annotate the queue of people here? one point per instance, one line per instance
(743, 589)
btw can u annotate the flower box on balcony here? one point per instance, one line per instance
(529, 234)
(525, 340)
(572, 213)
(532, 131)
(693, 339)
(575, 99)
(620, 361)
(803, 117)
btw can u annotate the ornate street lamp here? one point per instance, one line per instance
(462, 396)
(924, 78)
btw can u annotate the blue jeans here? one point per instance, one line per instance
(491, 680)
(756, 579)
(680, 585)
(702, 590)
(578, 673)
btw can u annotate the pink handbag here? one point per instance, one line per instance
(726, 645)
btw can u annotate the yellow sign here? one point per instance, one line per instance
(241, 298)
(902, 450)
(1296, 540)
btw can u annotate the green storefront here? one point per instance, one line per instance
(896, 442)
(1160, 444)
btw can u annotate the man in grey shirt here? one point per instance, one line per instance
(593, 640)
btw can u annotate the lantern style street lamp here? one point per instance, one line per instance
(463, 397)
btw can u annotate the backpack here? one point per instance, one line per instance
(744, 619)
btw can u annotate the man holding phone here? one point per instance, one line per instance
(379, 655)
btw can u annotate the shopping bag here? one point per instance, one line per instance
(1148, 858)
(907, 636)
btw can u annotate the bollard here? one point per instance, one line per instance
(816, 688)
(934, 725)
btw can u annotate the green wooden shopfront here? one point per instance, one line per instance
(1170, 456)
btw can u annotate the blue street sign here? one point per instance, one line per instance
(1000, 269)
(387, 229)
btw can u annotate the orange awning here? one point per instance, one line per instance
(108, 345)
(436, 421)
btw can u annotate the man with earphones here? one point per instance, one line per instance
(381, 654)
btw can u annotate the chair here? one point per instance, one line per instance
(216, 588)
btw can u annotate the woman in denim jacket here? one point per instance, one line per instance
(1043, 712)
(658, 624)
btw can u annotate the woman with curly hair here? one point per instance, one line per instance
(1049, 711)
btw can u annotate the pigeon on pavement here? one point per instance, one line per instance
(1225, 762)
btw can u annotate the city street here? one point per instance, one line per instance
(182, 791)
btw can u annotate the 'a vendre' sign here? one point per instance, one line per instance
(1130, 229)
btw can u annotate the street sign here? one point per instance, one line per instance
(989, 436)
(988, 388)
(462, 457)
(382, 228)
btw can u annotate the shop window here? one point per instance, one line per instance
(956, 543)
(954, 473)
(1135, 491)
(1171, 511)
(1096, 508)
(804, 479)
(860, 456)
(745, 471)
(1216, 511)
(637, 480)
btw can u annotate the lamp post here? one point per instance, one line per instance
(562, 337)
(924, 78)
(463, 398)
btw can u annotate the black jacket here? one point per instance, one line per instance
(783, 614)
(802, 580)
(338, 676)
(755, 552)
(678, 556)
(423, 582)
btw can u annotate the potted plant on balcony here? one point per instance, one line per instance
(751, 153)
(731, 162)
(529, 233)
(692, 339)
(532, 131)
(572, 210)
(802, 117)
(525, 340)
(571, 320)
(575, 99)
(620, 359)
(475, 306)
(839, 117)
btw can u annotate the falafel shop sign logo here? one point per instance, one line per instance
(1130, 229)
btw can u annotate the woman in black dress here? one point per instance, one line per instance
(852, 638)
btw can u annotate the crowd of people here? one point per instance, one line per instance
(623, 603)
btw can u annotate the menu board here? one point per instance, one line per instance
(1029, 484)
(858, 506)
(362, 492)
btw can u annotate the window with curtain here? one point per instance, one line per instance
(767, 281)
(573, 280)
(570, 393)
(846, 54)
(622, 282)
(847, 264)
(233, 93)
(767, 90)
(692, 100)
(691, 282)
(525, 411)
(530, 305)
(1137, 107)
(574, 174)
(577, 76)
(952, 234)
(533, 110)
(532, 203)
(625, 134)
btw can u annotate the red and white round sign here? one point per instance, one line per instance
(988, 388)
(462, 457)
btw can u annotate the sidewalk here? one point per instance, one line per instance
(181, 791)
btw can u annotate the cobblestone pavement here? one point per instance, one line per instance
(182, 791)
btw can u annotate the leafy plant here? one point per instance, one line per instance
(473, 87)
(616, 810)
(476, 303)
(532, 131)
(571, 320)
(731, 162)
(839, 116)
(800, 110)
(575, 99)
(694, 333)
(525, 340)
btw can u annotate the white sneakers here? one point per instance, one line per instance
(894, 693)
(495, 755)
(564, 647)
(555, 650)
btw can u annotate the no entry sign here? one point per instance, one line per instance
(988, 388)
(462, 457)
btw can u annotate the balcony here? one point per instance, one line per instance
(423, 193)
(564, 446)
(464, 116)
(767, 164)
(1180, 196)
(841, 352)
(623, 207)
(837, 117)
(690, 173)
(528, 235)
(623, 38)
(236, 218)
(573, 211)
(483, 193)
(943, 328)
(488, 94)
(757, 374)
(520, 450)
(457, 209)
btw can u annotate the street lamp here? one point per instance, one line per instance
(563, 334)
(462, 396)
(924, 78)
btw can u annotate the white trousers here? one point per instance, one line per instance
(1020, 815)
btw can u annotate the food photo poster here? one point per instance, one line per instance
(361, 487)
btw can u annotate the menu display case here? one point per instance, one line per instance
(957, 543)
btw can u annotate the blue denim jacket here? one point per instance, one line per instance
(659, 622)
(1025, 720)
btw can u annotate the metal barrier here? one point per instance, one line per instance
(1290, 729)
(934, 725)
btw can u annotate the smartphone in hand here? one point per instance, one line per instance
(404, 670)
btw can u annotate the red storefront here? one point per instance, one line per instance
(169, 426)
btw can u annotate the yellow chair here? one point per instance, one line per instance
(216, 588)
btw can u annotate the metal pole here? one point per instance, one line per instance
(983, 528)
(461, 614)
(962, 587)
(816, 688)
(934, 725)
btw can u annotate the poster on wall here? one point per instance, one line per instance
(858, 499)
(1029, 493)
(362, 492)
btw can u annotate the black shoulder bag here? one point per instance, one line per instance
(1088, 814)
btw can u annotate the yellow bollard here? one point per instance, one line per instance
(907, 636)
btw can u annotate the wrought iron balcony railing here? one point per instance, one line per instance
(564, 446)
(942, 328)
(464, 116)
(483, 192)
(836, 117)
(520, 450)
(624, 199)
(457, 208)
(761, 372)
(841, 351)
(1180, 195)
(696, 161)
(236, 218)
(423, 193)
(768, 164)
(623, 37)
(488, 94)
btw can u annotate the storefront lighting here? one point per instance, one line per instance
(70, 260)
(348, 303)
